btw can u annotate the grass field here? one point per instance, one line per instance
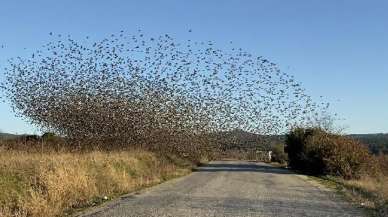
(368, 192)
(56, 183)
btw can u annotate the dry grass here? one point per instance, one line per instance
(370, 192)
(52, 184)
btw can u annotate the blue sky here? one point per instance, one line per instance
(336, 48)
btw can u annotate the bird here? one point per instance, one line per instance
(141, 89)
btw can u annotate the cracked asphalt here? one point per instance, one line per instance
(232, 189)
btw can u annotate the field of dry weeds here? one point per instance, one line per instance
(56, 183)
(370, 192)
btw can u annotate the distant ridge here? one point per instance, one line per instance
(8, 136)
(377, 142)
(243, 140)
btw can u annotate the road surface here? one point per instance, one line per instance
(232, 188)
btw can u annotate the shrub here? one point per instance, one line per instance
(383, 163)
(295, 142)
(278, 154)
(316, 151)
(48, 136)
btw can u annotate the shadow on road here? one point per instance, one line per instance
(238, 167)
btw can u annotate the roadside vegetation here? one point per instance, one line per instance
(278, 154)
(343, 162)
(56, 182)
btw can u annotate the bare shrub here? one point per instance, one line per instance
(278, 154)
(317, 151)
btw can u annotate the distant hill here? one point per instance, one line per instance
(16, 136)
(376, 142)
(239, 139)
(8, 136)
(242, 140)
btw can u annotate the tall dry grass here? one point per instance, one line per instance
(369, 191)
(54, 183)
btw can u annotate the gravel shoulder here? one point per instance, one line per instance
(232, 188)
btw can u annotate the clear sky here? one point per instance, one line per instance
(336, 48)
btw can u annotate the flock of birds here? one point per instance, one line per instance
(131, 89)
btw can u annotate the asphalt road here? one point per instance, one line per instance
(232, 188)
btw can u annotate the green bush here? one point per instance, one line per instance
(278, 154)
(48, 136)
(316, 151)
